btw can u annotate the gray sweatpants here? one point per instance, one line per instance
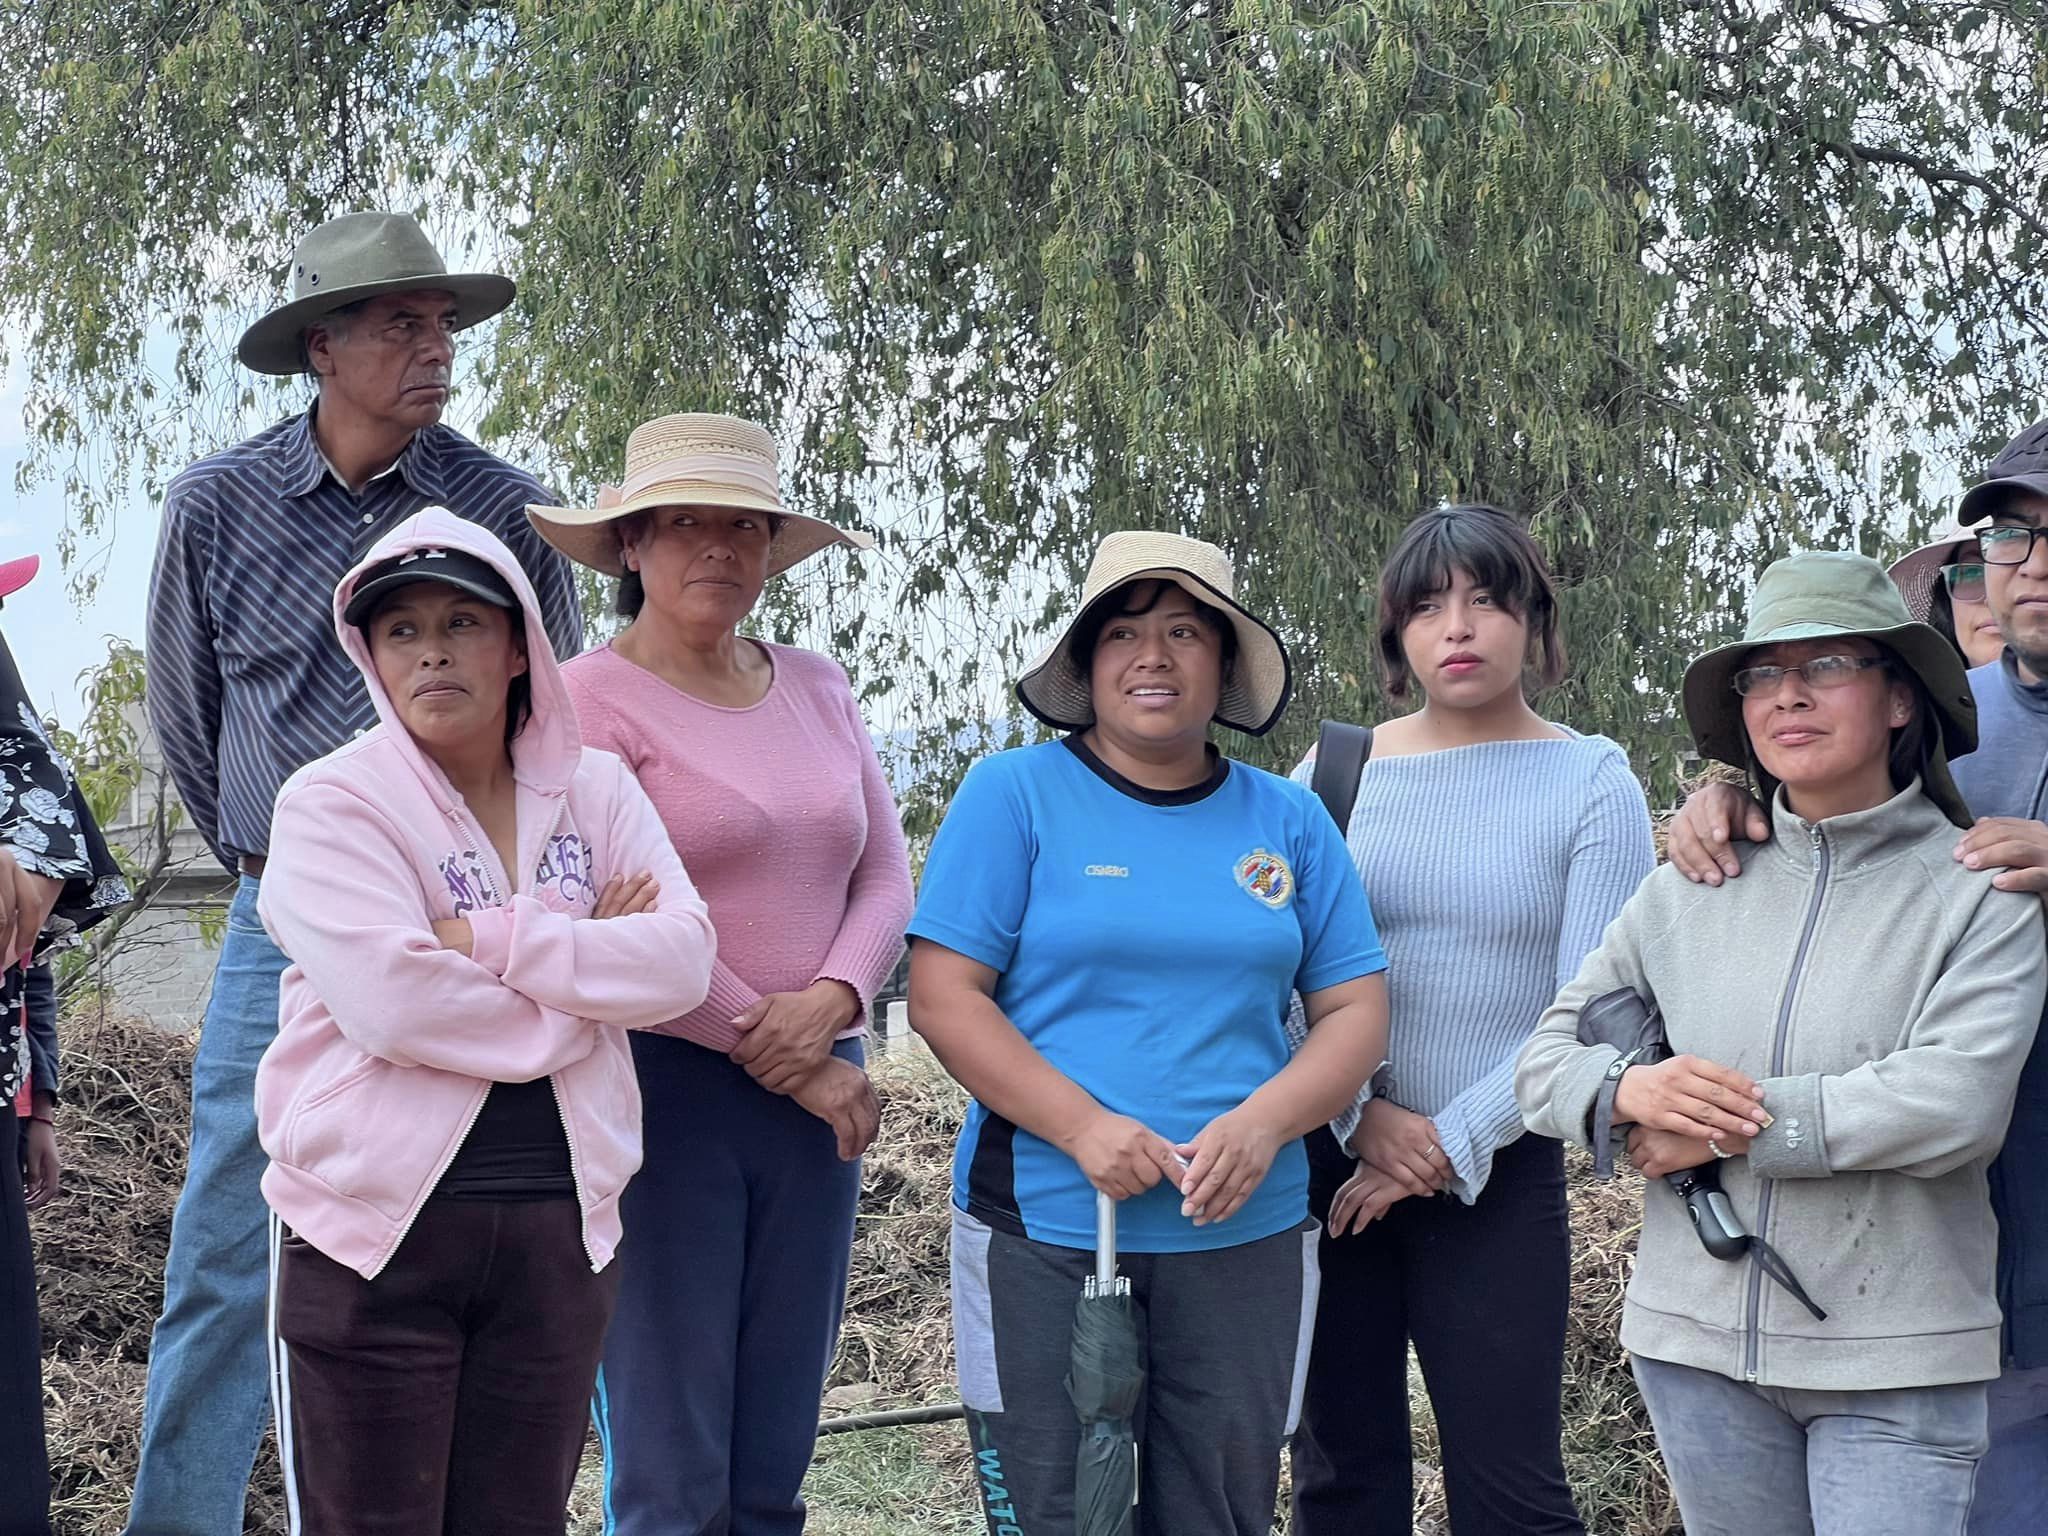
(1746, 1460)
(1225, 1336)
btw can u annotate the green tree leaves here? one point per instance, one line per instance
(1684, 282)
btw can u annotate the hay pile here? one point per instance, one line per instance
(101, 1251)
(100, 1259)
(898, 1334)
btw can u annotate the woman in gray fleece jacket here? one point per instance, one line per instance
(1850, 1019)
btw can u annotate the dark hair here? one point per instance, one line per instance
(1492, 548)
(1913, 743)
(519, 697)
(632, 594)
(336, 323)
(1941, 614)
(1130, 600)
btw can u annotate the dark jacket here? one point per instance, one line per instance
(47, 827)
(2008, 776)
(39, 998)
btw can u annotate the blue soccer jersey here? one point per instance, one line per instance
(1148, 944)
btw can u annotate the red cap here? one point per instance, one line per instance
(16, 574)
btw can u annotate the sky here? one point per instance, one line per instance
(53, 640)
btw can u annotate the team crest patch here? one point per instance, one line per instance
(1266, 877)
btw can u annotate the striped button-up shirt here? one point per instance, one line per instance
(247, 682)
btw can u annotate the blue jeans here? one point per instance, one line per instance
(739, 1230)
(208, 1401)
(1747, 1460)
(2012, 1480)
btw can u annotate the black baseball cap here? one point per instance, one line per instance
(451, 567)
(2021, 465)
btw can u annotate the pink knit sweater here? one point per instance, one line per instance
(782, 817)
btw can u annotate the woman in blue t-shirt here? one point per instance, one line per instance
(1497, 847)
(1110, 928)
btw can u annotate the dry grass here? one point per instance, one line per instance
(101, 1249)
(100, 1259)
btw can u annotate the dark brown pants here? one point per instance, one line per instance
(24, 1468)
(450, 1395)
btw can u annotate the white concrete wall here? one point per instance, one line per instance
(161, 966)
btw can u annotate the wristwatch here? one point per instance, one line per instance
(1381, 1083)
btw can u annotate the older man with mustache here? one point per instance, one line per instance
(246, 685)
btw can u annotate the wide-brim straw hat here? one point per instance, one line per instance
(356, 257)
(692, 459)
(1056, 687)
(1916, 573)
(1824, 595)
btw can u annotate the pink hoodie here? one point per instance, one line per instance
(387, 1043)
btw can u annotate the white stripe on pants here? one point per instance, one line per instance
(281, 1384)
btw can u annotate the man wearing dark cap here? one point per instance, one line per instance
(246, 684)
(2005, 782)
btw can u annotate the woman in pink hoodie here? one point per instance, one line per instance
(476, 907)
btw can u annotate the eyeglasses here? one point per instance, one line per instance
(2009, 543)
(1965, 581)
(1820, 672)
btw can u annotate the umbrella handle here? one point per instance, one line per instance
(1105, 1240)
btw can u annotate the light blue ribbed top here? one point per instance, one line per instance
(1492, 870)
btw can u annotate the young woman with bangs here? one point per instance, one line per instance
(1496, 845)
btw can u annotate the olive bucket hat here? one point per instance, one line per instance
(1056, 687)
(1822, 595)
(356, 257)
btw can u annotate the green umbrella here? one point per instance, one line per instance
(1105, 1376)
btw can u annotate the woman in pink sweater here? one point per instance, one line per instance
(758, 1104)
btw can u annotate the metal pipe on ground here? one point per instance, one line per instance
(933, 1413)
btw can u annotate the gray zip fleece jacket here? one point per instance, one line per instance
(1885, 997)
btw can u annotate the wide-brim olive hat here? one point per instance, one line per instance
(1825, 595)
(356, 257)
(1056, 687)
(691, 459)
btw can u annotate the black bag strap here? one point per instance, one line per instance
(1342, 751)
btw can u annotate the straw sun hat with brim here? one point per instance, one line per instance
(356, 257)
(1826, 595)
(1056, 687)
(1915, 574)
(691, 460)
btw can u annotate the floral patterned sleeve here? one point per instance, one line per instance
(46, 825)
(48, 828)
